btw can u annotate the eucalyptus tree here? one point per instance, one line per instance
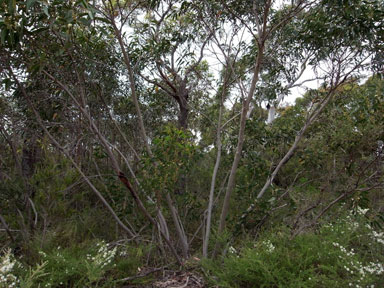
(258, 22)
(338, 155)
(88, 72)
(168, 47)
(335, 60)
(284, 40)
(58, 76)
(346, 54)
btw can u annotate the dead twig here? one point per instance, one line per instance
(142, 275)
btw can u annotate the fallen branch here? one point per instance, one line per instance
(142, 275)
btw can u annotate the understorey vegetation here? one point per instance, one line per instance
(167, 143)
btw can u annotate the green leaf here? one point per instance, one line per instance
(12, 6)
(90, 14)
(30, 3)
(105, 20)
(7, 83)
(4, 34)
(38, 30)
(85, 4)
(45, 9)
(35, 68)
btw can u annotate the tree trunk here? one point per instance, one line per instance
(240, 140)
(183, 116)
(213, 182)
(181, 185)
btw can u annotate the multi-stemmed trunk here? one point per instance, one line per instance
(183, 120)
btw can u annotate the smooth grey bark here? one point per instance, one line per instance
(213, 182)
(240, 141)
(179, 227)
(264, 32)
(131, 78)
(207, 232)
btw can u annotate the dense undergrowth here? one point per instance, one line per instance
(90, 264)
(345, 253)
(348, 252)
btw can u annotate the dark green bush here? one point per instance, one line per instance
(347, 253)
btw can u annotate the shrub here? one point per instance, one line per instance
(76, 266)
(347, 253)
(7, 265)
(91, 264)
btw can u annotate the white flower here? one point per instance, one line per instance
(378, 236)
(362, 211)
(7, 263)
(103, 256)
(270, 247)
(232, 250)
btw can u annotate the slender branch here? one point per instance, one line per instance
(4, 223)
(241, 136)
(34, 210)
(215, 170)
(193, 67)
(156, 83)
(131, 77)
(127, 184)
(121, 175)
(86, 179)
(118, 128)
(311, 118)
(292, 13)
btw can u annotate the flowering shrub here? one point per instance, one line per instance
(98, 261)
(355, 228)
(86, 265)
(103, 256)
(7, 265)
(269, 247)
(379, 237)
(232, 250)
(69, 267)
(346, 253)
(80, 265)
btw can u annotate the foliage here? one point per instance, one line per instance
(94, 264)
(345, 253)
(174, 155)
(110, 133)
(7, 265)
